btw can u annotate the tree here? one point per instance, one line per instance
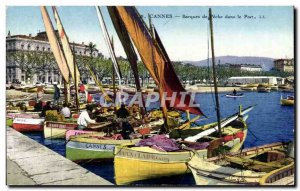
(26, 61)
(45, 62)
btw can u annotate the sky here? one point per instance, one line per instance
(266, 31)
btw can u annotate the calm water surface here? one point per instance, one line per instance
(268, 122)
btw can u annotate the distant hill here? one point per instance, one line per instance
(265, 62)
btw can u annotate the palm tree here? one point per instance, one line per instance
(91, 47)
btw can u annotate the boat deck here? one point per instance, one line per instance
(30, 163)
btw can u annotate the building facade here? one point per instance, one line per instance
(241, 80)
(246, 67)
(284, 65)
(18, 44)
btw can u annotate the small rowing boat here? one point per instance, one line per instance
(28, 124)
(57, 130)
(235, 95)
(263, 88)
(251, 166)
(289, 101)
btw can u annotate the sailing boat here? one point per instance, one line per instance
(133, 163)
(261, 165)
(96, 146)
(37, 124)
(253, 166)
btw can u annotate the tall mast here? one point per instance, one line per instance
(113, 76)
(214, 73)
(75, 79)
(109, 46)
(160, 85)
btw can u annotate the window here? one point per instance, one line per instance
(37, 48)
(49, 49)
(28, 47)
(22, 46)
(43, 48)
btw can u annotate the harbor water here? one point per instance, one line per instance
(268, 122)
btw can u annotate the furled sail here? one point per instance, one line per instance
(66, 46)
(54, 44)
(126, 43)
(152, 51)
(109, 45)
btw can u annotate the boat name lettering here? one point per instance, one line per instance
(98, 146)
(143, 156)
(53, 125)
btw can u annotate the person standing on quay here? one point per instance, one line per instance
(56, 95)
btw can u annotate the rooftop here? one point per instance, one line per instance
(41, 36)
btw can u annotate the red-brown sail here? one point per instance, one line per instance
(152, 51)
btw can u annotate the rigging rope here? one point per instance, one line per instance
(208, 72)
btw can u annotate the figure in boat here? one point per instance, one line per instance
(84, 118)
(234, 92)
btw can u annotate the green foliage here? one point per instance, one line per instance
(40, 62)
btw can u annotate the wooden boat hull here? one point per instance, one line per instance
(28, 125)
(287, 102)
(11, 116)
(48, 91)
(142, 163)
(70, 133)
(215, 175)
(81, 148)
(57, 130)
(206, 172)
(252, 85)
(31, 90)
(133, 165)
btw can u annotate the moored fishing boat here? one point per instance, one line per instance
(30, 88)
(139, 162)
(75, 132)
(48, 90)
(252, 166)
(246, 88)
(28, 124)
(11, 116)
(94, 146)
(274, 88)
(252, 85)
(57, 130)
(133, 163)
(289, 101)
(263, 88)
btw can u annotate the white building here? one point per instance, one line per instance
(255, 80)
(38, 43)
(246, 67)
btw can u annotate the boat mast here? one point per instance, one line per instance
(214, 73)
(111, 52)
(113, 76)
(75, 79)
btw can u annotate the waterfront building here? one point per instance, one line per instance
(284, 65)
(17, 45)
(255, 80)
(246, 67)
